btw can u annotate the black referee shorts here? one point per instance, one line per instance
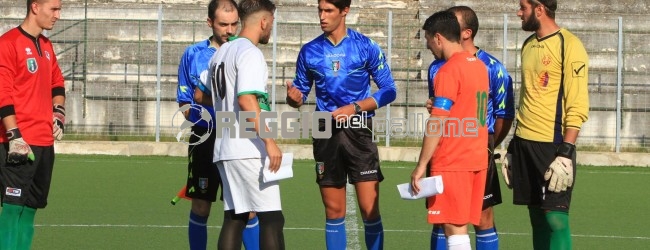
(350, 154)
(492, 196)
(530, 160)
(27, 184)
(203, 178)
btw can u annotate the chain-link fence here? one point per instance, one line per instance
(121, 67)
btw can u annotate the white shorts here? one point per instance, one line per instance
(243, 188)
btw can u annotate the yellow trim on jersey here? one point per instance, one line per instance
(547, 63)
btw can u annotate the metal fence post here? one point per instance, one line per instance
(275, 59)
(158, 71)
(619, 84)
(388, 58)
(505, 51)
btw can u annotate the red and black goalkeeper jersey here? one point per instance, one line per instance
(29, 77)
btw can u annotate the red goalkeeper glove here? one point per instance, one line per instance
(58, 120)
(19, 150)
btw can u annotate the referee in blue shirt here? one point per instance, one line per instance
(340, 62)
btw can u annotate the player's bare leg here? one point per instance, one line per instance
(486, 234)
(334, 202)
(487, 219)
(201, 207)
(368, 198)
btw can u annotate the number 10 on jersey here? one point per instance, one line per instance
(481, 107)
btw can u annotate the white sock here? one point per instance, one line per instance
(459, 242)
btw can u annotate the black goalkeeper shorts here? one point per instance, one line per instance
(530, 160)
(27, 184)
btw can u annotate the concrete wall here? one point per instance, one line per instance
(121, 85)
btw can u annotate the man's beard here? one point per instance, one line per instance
(532, 24)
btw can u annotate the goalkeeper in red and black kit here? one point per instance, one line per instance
(32, 97)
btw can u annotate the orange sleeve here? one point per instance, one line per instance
(446, 87)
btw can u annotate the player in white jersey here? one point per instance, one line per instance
(236, 82)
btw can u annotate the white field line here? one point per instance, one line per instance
(321, 229)
(351, 224)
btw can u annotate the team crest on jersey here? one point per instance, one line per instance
(203, 183)
(336, 65)
(320, 169)
(546, 60)
(32, 66)
(47, 54)
(28, 51)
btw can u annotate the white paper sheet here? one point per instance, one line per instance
(429, 186)
(285, 171)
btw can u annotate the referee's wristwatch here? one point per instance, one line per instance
(357, 108)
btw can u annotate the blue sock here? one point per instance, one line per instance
(335, 234)
(487, 239)
(251, 235)
(374, 234)
(197, 232)
(438, 239)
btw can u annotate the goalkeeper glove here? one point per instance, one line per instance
(560, 172)
(19, 151)
(506, 169)
(58, 120)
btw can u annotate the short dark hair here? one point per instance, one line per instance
(470, 20)
(214, 5)
(445, 23)
(339, 4)
(249, 7)
(29, 5)
(549, 5)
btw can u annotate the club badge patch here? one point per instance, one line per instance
(32, 66)
(546, 60)
(336, 65)
(203, 183)
(320, 169)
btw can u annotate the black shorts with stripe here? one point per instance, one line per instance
(530, 160)
(203, 179)
(349, 154)
(27, 184)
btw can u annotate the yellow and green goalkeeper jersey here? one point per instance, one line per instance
(554, 93)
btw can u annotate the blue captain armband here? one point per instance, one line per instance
(203, 88)
(442, 103)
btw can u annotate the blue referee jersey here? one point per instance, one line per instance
(342, 72)
(194, 61)
(501, 102)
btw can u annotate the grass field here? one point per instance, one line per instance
(113, 202)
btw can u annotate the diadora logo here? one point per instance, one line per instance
(13, 191)
(368, 172)
(488, 196)
(434, 212)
